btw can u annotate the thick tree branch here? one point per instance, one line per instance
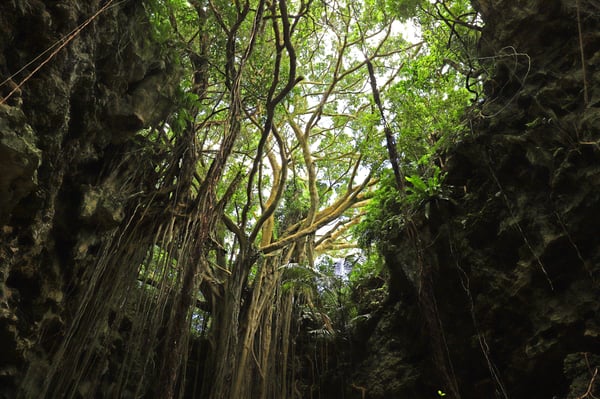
(389, 135)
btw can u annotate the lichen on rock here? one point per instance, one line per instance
(19, 159)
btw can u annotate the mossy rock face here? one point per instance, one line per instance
(19, 159)
(506, 302)
(102, 207)
(63, 135)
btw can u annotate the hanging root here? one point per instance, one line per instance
(362, 390)
(582, 53)
(589, 393)
(60, 44)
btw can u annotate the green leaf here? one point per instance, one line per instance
(418, 183)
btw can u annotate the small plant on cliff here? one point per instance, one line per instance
(424, 188)
(426, 107)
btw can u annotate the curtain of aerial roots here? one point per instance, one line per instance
(433, 322)
(252, 342)
(113, 336)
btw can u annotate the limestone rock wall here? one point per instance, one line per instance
(66, 139)
(508, 294)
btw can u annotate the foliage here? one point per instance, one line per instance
(277, 136)
(426, 104)
(385, 214)
(422, 189)
(367, 268)
(298, 276)
(327, 308)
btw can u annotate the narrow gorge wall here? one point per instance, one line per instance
(67, 144)
(505, 303)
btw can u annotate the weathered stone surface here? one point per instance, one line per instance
(102, 207)
(19, 159)
(509, 288)
(66, 173)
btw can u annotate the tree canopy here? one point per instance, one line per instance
(302, 129)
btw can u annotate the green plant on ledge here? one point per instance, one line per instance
(422, 189)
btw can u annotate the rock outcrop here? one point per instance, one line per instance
(507, 294)
(67, 134)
